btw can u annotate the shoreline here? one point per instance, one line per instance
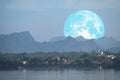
(62, 68)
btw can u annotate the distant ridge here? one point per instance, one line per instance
(58, 38)
(24, 42)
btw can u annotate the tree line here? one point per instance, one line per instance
(59, 60)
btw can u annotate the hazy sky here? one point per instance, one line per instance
(44, 19)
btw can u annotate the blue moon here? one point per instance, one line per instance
(84, 23)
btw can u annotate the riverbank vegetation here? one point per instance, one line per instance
(59, 60)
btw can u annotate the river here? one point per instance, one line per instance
(61, 74)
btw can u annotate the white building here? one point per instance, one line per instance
(25, 62)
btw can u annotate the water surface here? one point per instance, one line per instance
(60, 74)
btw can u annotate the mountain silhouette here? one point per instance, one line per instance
(16, 42)
(24, 42)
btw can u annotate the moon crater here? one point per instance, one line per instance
(84, 23)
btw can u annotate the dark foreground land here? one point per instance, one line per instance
(59, 60)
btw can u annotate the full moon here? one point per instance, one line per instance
(84, 23)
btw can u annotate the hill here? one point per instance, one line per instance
(24, 42)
